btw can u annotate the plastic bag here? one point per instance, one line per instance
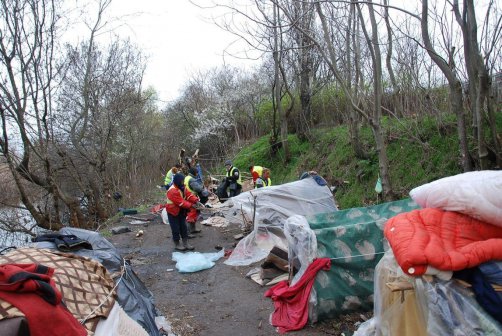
(164, 216)
(195, 261)
(378, 186)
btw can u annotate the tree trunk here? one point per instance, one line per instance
(375, 120)
(397, 102)
(479, 84)
(493, 128)
(305, 74)
(456, 98)
(457, 105)
(277, 91)
(355, 139)
(42, 220)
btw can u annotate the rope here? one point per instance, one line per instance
(7, 248)
(358, 255)
(82, 321)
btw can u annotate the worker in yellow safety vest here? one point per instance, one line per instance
(193, 185)
(256, 172)
(264, 180)
(169, 175)
(233, 179)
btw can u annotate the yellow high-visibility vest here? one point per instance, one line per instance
(258, 169)
(169, 177)
(186, 182)
(263, 182)
(231, 173)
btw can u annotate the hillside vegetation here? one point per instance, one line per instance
(419, 152)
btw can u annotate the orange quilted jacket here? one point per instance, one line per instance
(446, 240)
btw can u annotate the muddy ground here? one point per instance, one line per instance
(218, 301)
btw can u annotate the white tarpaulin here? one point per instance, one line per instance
(271, 207)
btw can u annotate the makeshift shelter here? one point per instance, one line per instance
(416, 306)
(353, 240)
(92, 282)
(267, 209)
(443, 272)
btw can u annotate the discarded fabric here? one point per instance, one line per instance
(291, 303)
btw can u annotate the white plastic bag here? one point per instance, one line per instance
(195, 261)
(164, 216)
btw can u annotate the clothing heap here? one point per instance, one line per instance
(443, 273)
(45, 290)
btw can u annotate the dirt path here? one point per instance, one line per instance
(218, 301)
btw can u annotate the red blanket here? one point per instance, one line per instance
(291, 303)
(31, 289)
(446, 240)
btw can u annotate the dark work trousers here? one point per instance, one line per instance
(178, 225)
(234, 189)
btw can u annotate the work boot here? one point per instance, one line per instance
(178, 246)
(187, 246)
(193, 228)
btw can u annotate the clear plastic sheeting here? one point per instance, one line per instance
(302, 244)
(395, 313)
(430, 307)
(269, 208)
(302, 250)
(453, 310)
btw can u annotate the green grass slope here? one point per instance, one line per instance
(419, 152)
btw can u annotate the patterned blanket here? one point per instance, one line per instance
(86, 285)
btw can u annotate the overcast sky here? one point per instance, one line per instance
(178, 39)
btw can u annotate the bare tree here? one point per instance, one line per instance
(479, 77)
(304, 15)
(456, 96)
(62, 153)
(27, 43)
(374, 117)
(102, 89)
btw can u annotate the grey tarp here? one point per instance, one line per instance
(270, 207)
(132, 295)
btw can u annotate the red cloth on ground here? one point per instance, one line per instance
(157, 208)
(31, 289)
(291, 303)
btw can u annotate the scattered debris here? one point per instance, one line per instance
(216, 221)
(164, 325)
(170, 270)
(139, 233)
(142, 217)
(256, 276)
(238, 236)
(129, 211)
(138, 222)
(120, 229)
